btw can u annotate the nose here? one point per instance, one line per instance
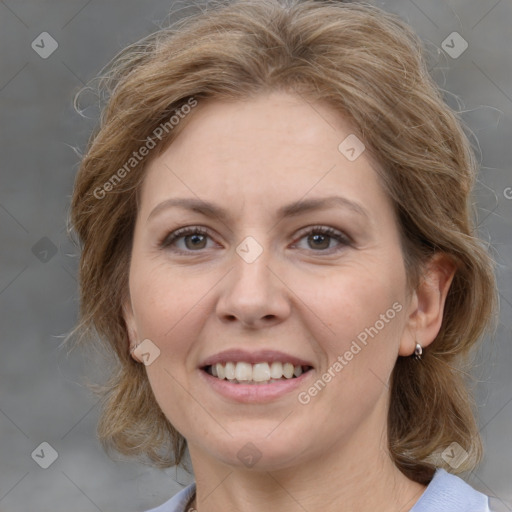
(253, 294)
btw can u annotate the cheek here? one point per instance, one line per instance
(357, 325)
(167, 312)
(162, 298)
(353, 298)
(364, 315)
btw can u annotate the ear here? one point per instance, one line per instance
(131, 327)
(426, 309)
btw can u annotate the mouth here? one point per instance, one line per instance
(241, 372)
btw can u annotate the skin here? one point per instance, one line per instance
(298, 296)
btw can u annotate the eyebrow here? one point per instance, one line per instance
(290, 210)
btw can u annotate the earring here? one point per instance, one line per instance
(418, 351)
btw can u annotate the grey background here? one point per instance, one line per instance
(42, 394)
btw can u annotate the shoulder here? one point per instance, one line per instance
(445, 493)
(449, 493)
(178, 502)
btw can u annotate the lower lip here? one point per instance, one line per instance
(254, 393)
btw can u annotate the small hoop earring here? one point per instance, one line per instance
(418, 351)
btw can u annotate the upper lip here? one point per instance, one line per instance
(258, 356)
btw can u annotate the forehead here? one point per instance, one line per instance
(274, 148)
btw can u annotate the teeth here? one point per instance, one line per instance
(276, 370)
(261, 372)
(243, 371)
(255, 373)
(220, 370)
(229, 370)
(288, 370)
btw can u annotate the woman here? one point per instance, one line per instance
(278, 247)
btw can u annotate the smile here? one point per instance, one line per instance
(260, 373)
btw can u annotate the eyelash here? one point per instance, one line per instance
(172, 237)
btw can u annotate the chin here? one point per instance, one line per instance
(257, 452)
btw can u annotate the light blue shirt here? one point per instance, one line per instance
(445, 493)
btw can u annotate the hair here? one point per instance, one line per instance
(371, 68)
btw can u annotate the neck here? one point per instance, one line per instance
(346, 479)
(353, 473)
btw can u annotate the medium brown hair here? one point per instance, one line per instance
(370, 67)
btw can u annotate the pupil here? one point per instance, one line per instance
(320, 238)
(195, 240)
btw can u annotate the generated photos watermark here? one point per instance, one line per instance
(304, 397)
(144, 150)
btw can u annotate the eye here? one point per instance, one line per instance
(320, 238)
(187, 239)
(195, 238)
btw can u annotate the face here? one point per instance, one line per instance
(258, 241)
